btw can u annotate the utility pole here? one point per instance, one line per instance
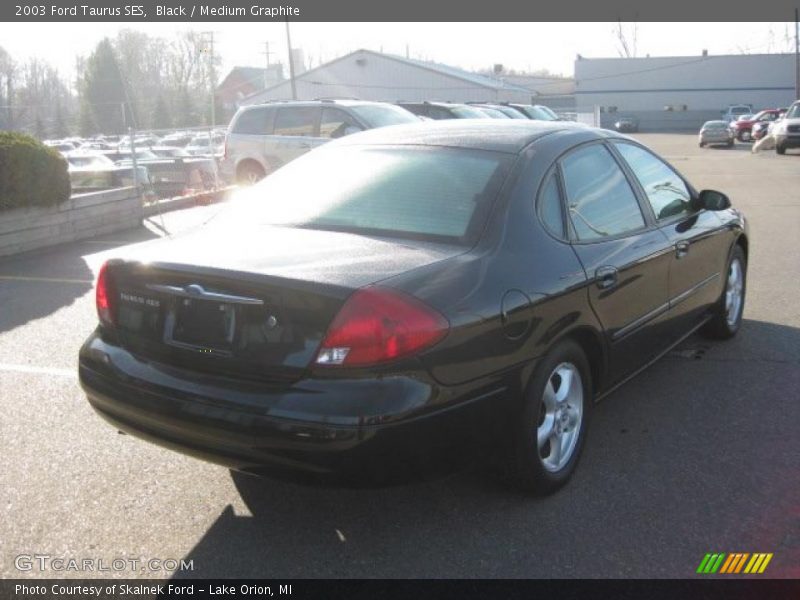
(211, 75)
(291, 61)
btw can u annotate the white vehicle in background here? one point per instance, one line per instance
(205, 145)
(786, 131)
(734, 111)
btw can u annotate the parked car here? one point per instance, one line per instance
(264, 137)
(510, 112)
(714, 133)
(62, 147)
(206, 145)
(122, 154)
(743, 128)
(734, 111)
(537, 112)
(176, 140)
(787, 130)
(415, 292)
(627, 124)
(491, 111)
(169, 152)
(443, 110)
(82, 159)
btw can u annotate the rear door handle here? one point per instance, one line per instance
(605, 277)
(681, 249)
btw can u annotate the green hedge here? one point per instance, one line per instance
(31, 174)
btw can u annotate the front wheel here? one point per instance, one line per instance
(728, 313)
(780, 148)
(550, 432)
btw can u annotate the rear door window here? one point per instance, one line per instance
(601, 202)
(296, 121)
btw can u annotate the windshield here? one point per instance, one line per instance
(794, 112)
(547, 110)
(380, 115)
(468, 112)
(441, 194)
(536, 112)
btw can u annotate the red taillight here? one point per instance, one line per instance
(377, 325)
(103, 297)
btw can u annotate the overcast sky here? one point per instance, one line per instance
(523, 46)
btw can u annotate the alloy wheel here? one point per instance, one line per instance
(560, 417)
(733, 292)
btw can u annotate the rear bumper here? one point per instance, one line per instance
(420, 425)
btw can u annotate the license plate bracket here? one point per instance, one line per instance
(207, 326)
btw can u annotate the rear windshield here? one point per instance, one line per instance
(382, 115)
(440, 194)
(715, 125)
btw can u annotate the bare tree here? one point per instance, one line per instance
(627, 40)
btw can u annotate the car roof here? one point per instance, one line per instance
(320, 102)
(510, 136)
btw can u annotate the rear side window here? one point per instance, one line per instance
(550, 207)
(665, 191)
(336, 123)
(253, 122)
(600, 199)
(296, 120)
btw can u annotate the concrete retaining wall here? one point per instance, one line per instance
(81, 217)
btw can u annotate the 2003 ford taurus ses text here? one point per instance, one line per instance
(412, 292)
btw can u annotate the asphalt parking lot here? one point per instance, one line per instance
(699, 454)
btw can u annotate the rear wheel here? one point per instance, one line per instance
(551, 430)
(780, 148)
(728, 313)
(249, 173)
(744, 136)
(702, 144)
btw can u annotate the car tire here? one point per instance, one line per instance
(780, 148)
(744, 136)
(702, 145)
(728, 311)
(249, 173)
(730, 144)
(551, 414)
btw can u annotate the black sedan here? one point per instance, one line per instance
(413, 292)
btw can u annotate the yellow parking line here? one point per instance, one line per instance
(43, 279)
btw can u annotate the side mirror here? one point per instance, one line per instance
(713, 200)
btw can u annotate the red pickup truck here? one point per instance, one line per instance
(743, 130)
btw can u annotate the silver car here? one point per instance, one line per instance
(714, 133)
(264, 137)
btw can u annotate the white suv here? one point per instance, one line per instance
(787, 130)
(734, 111)
(264, 137)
